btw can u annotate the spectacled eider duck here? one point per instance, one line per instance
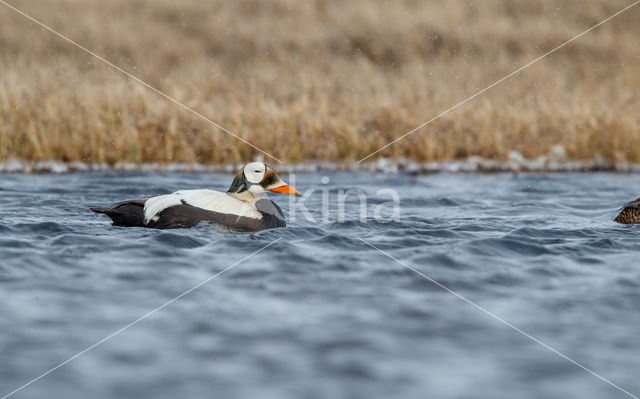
(239, 208)
(630, 213)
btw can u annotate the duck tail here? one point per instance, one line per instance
(99, 210)
(127, 213)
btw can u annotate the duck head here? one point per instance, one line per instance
(258, 178)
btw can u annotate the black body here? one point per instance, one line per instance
(131, 214)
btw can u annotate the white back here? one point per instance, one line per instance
(205, 199)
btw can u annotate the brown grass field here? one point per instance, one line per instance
(317, 79)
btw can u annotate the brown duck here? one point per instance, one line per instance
(630, 213)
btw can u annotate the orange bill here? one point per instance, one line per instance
(286, 189)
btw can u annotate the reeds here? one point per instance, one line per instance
(317, 80)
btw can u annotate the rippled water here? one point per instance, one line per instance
(320, 313)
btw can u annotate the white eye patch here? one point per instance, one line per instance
(254, 172)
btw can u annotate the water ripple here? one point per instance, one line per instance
(320, 307)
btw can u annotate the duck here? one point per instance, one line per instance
(630, 213)
(239, 209)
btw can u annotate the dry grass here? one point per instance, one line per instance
(317, 80)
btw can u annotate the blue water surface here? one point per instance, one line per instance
(321, 313)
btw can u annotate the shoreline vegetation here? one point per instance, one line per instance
(320, 82)
(554, 162)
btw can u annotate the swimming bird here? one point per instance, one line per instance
(630, 213)
(239, 208)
